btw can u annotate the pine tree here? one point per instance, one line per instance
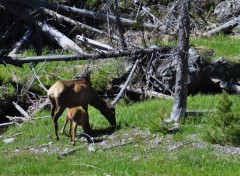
(224, 126)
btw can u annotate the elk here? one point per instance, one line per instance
(76, 116)
(74, 93)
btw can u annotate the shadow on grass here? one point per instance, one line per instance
(96, 133)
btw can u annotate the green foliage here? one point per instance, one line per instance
(223, 46)
(156, 124)
(224, 126)
(31, 51)
(135, 159)
(126, 3)
(104, 71)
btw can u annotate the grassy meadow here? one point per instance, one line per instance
(137, 147)
(181, 153)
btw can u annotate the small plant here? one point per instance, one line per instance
(157, 124)
(224, 126)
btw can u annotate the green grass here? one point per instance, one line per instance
(17, 158)
(124, 160)
(224, 46)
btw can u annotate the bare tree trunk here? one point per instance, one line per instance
(180, 95)
(119, 25)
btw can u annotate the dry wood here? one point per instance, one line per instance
(87, 165)
(113, 54)
(125, 84)
(180, 94)
(149, 93)
(71, 151)
(234, 88)
(120, 145)
(155, 20)
(76, 23)
(100, 16)
(6, 124)
(36, 76)
(16, 119)
(19, 43)
(21, 110)
(41, 106)
(119, 24)
(224, 27)
(94, 43)
(60, 38)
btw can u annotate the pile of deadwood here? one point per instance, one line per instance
(114, 30)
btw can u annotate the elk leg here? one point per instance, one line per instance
(53, 106)
(74, 133)
(70, 130)
(65, 124)
(55, 119)
(86, 124)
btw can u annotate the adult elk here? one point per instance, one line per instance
(73, 93)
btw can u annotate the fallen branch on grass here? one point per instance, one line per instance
(120, 145)
(6, 124)
(229, 25)
(21, 110)
(111, 54)
(125, 84)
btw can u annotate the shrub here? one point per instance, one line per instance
(224, 126)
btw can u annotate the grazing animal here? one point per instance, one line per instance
(73, 93)
(76, 116)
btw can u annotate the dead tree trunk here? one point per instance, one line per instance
(119, 24)
(180, 95)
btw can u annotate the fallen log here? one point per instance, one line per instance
(100, 16)
(19, 43)
(76, 23)
(229, 25)
(6, 124)
(148, 93)
(229, 87)
(113, 54)
(94, 43)
(125, 84)
(60, 38)
(21, 110)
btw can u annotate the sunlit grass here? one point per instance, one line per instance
(125, 160)
(223, 46)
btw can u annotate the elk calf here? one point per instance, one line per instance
(76, 116)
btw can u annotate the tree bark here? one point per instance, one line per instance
(60, 38)
(100, 16)
(19, 43)
(229, 25)
(94, 43)
(229, 87)
(119, 24)
(119, 53)
(180, 95)
(126, 84)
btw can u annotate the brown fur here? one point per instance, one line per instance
(74, 93)
(76, 116)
